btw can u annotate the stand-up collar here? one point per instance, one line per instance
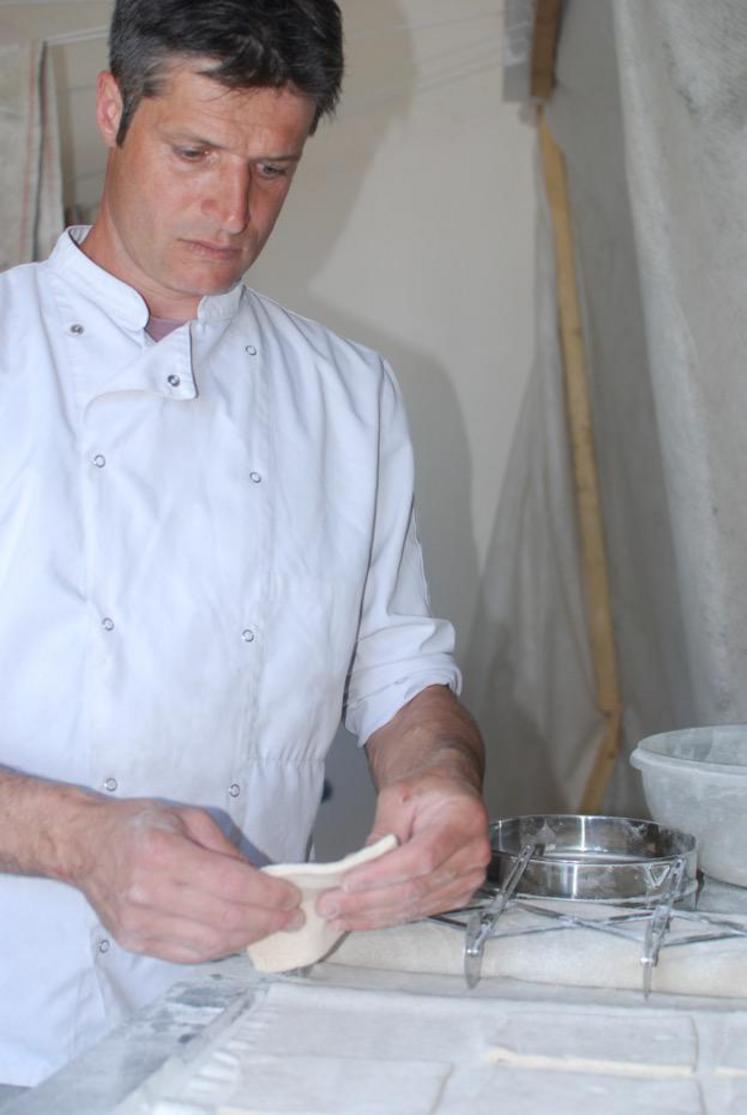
(121, 301)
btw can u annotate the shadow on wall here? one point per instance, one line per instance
(530, 676)
(379, 96)
(520, 779)
(505, 674)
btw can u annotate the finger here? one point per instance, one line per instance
(412, 908)
(170, 856)
(342, 901)
(205, 831)
(454, 882)
(205, 936)
(427, 852)
(173, 899)
(244, 884)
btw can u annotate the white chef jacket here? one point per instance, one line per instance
(207, 552)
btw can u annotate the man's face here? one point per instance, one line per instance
(194, 191)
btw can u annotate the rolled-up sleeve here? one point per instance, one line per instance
(401, 647)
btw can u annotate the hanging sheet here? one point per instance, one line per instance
(30, 171)
(651, 114)
(530, 679)
(683, 71)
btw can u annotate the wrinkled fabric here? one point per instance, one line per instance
(31, 169)
(686, 171)
(650, 111)
(530, 679)
(208, 554)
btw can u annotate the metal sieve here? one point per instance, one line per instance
(620, 860)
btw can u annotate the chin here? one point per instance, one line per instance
(211, 283)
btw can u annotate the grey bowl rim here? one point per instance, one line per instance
(643, 756)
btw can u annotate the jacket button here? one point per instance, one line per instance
(234, 789)
(173, 381)
(248, 635)
(107, 624)
(251, 349)
(110, 785)
(255, 477)
(77, 330)
(100, 460)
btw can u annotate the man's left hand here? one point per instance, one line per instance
(442, 826)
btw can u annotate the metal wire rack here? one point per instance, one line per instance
(658, 927)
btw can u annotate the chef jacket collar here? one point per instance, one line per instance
(122, 301)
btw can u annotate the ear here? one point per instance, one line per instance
(108, 108)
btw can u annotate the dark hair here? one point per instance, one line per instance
(255, 43)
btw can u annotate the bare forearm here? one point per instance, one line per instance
(41, 824)
(433, 734)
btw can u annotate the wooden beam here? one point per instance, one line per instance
(591, 529)
(544, 48)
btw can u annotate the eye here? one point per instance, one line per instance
(191, 154)
(272, 170)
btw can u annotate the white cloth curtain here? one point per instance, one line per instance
(529, 678)
(683, 72)
(651, 113)
(30, 170)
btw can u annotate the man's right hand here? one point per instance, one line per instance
(166, 881)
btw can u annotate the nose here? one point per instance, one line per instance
(228, 201)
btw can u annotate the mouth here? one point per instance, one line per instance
(217, 252)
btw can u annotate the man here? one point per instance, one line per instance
(208, 554)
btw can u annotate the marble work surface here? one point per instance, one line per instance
(345, 1040)
(97, 1081)
(363, 1043)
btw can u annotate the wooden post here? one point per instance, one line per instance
(595, 571)
(544, 48)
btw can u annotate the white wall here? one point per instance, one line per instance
(410, 229)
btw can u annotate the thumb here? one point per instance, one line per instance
(205, 831)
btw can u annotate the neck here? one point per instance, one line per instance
(104, 248)
(160, 327)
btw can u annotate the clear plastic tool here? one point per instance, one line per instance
(481, 924)
(659, 924)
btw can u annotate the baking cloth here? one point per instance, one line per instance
(301, 1049)
(568, 957)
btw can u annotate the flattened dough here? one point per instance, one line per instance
(282, 951)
